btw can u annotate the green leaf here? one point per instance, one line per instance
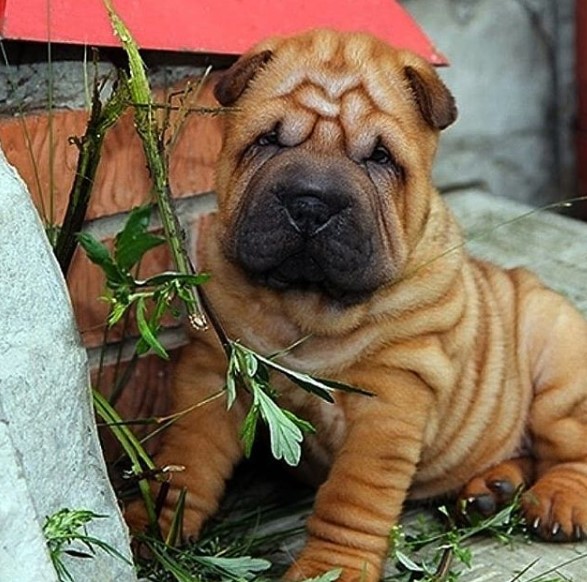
(302, 424)
(407, 562)
(136, 223)
(231, 382)
(175, 529)
(146, 332)
(116, 312)
(317, 386)
(65, 523)
(133, 241)
(67, 526)
(99, 254)
(304, 381)
(128, 255)
(247, 362)
(241, 568)
(284, 434)
(249, 429)
(342, 387)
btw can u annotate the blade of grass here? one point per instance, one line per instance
(554, 569)
(489, 231)
(132, 447)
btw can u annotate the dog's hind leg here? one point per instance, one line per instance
(554, 335)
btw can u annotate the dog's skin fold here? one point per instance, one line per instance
(329, 226)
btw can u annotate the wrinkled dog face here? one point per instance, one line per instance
(322, 178)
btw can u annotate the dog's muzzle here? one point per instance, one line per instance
(307, 228)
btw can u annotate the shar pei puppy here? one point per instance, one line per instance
(329, 227)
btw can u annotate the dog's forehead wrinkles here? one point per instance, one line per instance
(297, 126)
(313, 97)
(355, 111)
(333, 83)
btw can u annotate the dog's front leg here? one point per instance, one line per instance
(205, 439)
(363, 496)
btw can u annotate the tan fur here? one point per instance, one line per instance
(472, 366)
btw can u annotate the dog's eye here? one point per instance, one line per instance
(268, 139)
(380, 155)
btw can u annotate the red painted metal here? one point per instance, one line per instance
(581, 60)
(211, 26)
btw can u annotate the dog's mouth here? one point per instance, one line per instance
(296, 271)
(304, 274)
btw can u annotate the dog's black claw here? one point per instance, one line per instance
(555, 529)
(578, 533)
(536, 524)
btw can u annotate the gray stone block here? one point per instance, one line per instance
(511, 76)
(49, 437)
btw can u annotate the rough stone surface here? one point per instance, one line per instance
(512, 75)
(23, 553)
(45, 404)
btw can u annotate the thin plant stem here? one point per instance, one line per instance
(50, 119)
(120, 382)
(90, 148)
(554, 569)
(102, 356)
(153, 147)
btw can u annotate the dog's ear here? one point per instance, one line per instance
(234, 81)
(435, 101)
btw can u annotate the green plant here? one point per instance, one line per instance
(153, 138)
(124, 290)
(428, 553)
(251, 370)
(66, 534)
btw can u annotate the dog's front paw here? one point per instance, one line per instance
(493, 489)
(555, 508)
(138, 521)
(319, 557)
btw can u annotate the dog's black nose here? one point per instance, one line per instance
(308, 214)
